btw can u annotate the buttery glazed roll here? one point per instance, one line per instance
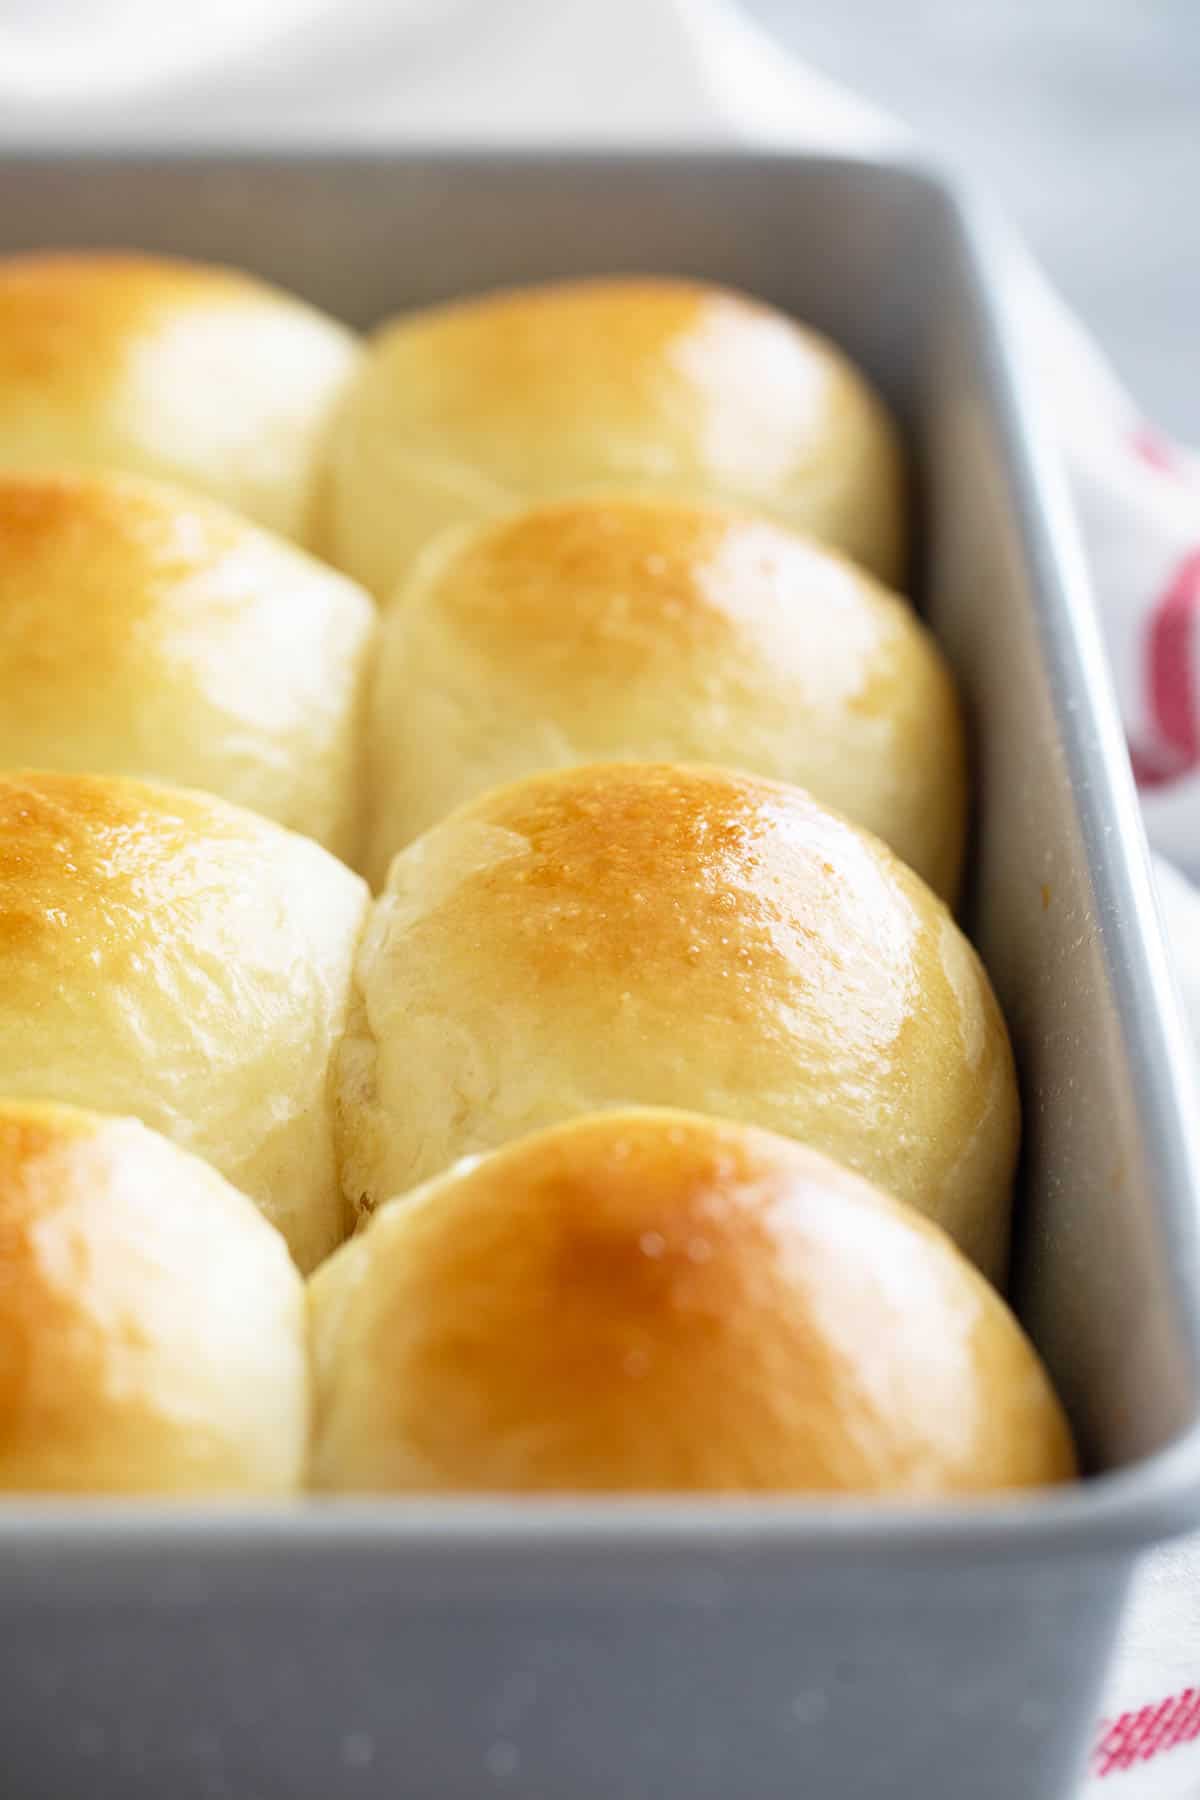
(199, 375)
(646, 1301)
(671, 387)
(691, 937)
(152, 1324)
(147, 632)
(580, 630)
(169, 956)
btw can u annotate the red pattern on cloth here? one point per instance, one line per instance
(1155, 450)
(1172, 689)
(1139, 1736)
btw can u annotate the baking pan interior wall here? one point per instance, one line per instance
(700, 1649)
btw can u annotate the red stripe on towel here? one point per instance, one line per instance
(1171, 684)
(1138, 1737)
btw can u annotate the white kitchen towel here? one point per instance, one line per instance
(697, 72)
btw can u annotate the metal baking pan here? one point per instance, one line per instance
(709, 1650)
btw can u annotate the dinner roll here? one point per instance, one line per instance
(145, 631)
(170, 956)
(152, 1326)
(671, 387)
(615, 627)
(647, 934)
(646, 1301)
(200, 375)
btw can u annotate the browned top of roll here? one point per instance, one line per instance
(151, 1323)
(664, 385)
(194, 373)
(579, 630)
(649, 1300)
(676, 936)
(146, 631)
(167, 955)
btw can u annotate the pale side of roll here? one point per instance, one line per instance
(688, 937)
(579, 630)
(199, 375)
(168, 956)
(652, 1301)
(675, 388)
(152, 1324)
(145, 631)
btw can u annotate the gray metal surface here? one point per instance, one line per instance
(690, 1648)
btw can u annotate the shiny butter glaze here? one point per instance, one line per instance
(578, 630)
(199, 375)
(686, 937)
(651, 1301)
(169, 956)
(672, 387)
(147, 632)
(151, 1323)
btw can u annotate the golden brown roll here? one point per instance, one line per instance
(169, 956)
(580, 630)
(646, 934)
(152, 1324)
(643, 1301)
(671, 387)
(199, 375)
(147, 632)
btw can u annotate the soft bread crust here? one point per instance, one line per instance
(579, 630)
(671, 387)
(689, 937)
(200, 375)
(652, 1301)
(168, 956)
(145, 631)
(152, 1324)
